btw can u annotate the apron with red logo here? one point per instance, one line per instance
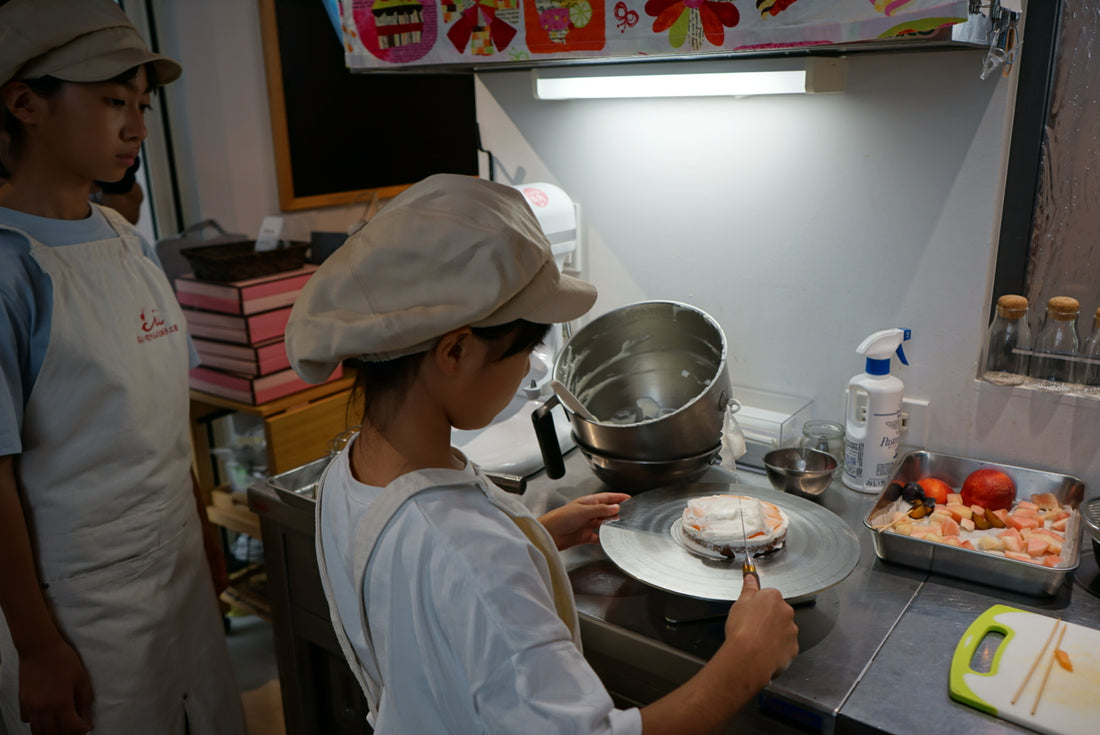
(106, 484)
(370, 529)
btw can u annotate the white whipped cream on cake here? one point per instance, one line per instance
(715, 521)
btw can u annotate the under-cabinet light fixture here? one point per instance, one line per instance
(813, 76)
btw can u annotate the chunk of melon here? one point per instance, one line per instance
(941, 513)
(1036, 546)
(948, 527)
(1018, 557)
(1045, 500)
(1018, 522)
(960, 511)
(922, 530)
(991, 543)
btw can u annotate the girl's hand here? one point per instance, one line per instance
(578, 522)
(55, 691)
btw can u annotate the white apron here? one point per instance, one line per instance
(370, 529)
(105, 475)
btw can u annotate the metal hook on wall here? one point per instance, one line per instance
(1003, 39)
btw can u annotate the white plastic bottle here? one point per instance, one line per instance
(872, 415)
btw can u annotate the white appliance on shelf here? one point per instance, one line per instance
(508, 445)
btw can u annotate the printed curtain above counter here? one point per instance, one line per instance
(381, 34)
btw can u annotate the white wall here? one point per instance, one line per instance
(801, 223)
(220, 122)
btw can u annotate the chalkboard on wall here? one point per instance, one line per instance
(339, 135)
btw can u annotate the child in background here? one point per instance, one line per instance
(110, 619)
(450, 600)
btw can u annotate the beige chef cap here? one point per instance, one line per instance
(73, 40)
(449, 251)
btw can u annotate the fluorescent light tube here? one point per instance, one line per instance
(819, 75)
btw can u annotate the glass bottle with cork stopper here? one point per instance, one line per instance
(1005, 357)
(1056, 341)
(1088, 370)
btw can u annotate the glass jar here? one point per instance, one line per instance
(1005, 354)
(1057, 339)
(825, 436)
(1088, 370)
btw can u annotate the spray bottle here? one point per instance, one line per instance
(872, 415)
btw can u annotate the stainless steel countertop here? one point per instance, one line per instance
(859, 641)
(875, 649)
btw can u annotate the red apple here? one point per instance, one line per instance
(990, 489)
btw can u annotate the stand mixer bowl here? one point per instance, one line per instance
(633, 476)
(653, 374)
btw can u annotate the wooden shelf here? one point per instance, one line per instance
(297, 429)
(248, 591)
(232, 512)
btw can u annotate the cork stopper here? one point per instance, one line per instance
(1011, 306)
(1096, 319)
(1063, 308)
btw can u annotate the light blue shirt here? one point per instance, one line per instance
(26, 306)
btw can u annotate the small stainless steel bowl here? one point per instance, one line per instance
(632, 476)
(805, 472)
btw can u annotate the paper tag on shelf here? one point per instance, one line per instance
(270, 230)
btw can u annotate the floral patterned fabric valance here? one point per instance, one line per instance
(390, 33)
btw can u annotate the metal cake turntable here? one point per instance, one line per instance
(820, 550)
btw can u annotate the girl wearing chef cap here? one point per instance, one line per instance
(449, 599)
(110, 616)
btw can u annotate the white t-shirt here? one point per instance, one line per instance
(462, 618)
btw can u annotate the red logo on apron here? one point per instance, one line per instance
(152, 326)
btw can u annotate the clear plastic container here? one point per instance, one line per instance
(1057, 340)
(768, 421)
(1007, 343)
(1088, 370)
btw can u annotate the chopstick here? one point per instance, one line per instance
(1050, 664)
(1038, 658)
(895, 522)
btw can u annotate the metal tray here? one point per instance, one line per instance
(820, 551)
(298, 486)
(978, 566)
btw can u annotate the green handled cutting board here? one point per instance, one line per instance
(1070, 702)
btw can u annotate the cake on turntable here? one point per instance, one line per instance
(819, 551)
